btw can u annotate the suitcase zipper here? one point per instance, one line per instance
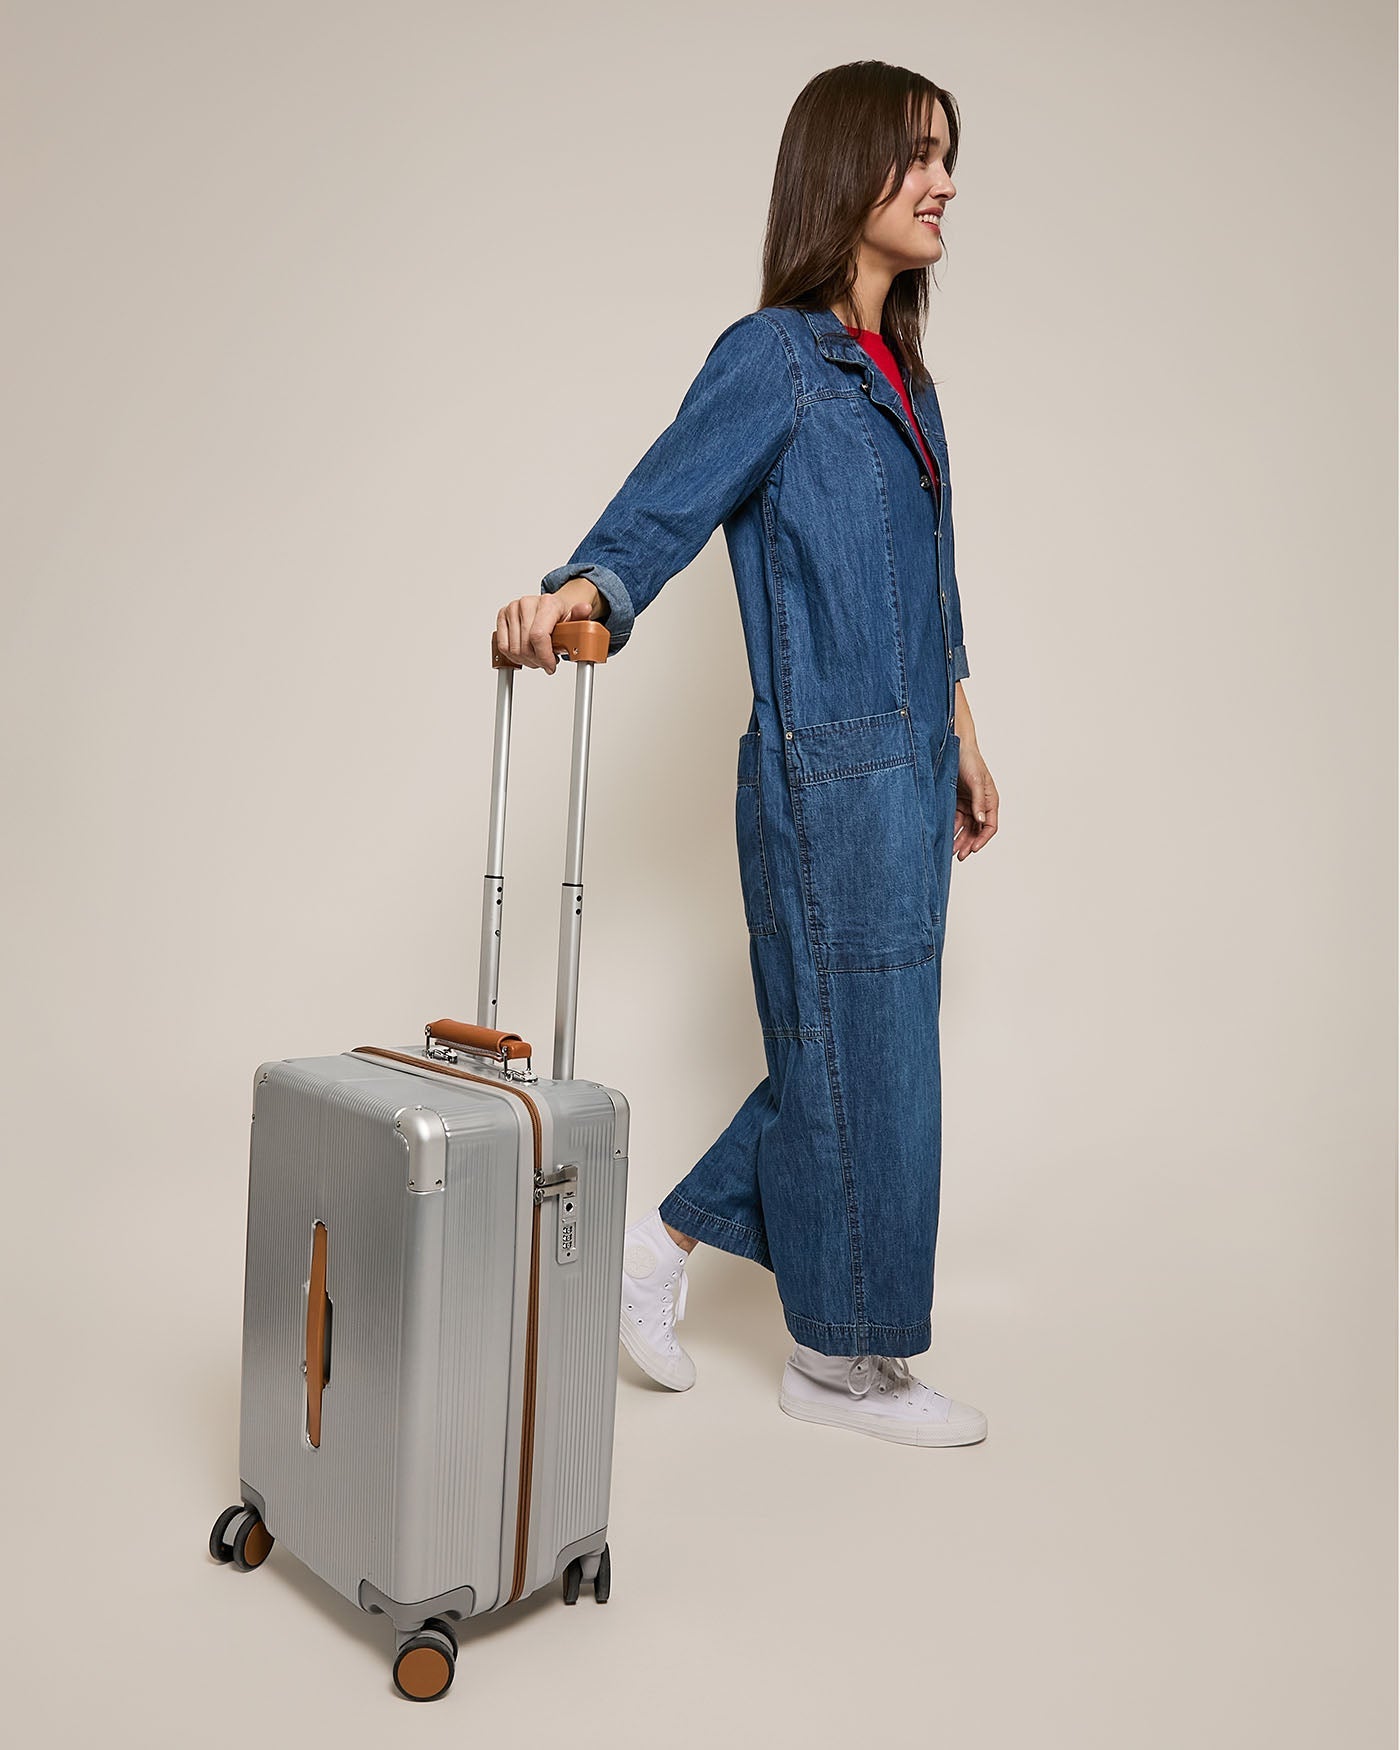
(532, 1321)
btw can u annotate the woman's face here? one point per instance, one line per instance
(907, 232)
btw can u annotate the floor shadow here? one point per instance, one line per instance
(376, 1633)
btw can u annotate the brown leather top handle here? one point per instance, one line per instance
(489, 1040)
(579, 640)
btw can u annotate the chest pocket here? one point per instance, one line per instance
(855, 796)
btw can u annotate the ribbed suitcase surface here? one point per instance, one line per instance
(436, 1445)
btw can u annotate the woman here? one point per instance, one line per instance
(859, 769)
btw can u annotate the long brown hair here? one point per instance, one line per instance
(849, 127)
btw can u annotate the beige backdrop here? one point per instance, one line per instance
(331, 327)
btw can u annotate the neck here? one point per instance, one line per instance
(864, 305)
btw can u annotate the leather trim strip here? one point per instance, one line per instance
(316, 1303)
(527, 1413)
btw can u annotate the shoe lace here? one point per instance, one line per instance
(674, 1303)
(865, 1370)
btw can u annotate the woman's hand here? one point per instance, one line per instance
(525, 626)
(975, 816)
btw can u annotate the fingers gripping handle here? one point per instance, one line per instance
(584, 642)
(579, 640)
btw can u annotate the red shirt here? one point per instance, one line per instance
(883, 357)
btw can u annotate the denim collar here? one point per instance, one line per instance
(833, 342)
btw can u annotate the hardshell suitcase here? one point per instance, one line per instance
(432, 1293)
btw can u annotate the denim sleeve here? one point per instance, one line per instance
(735, 421)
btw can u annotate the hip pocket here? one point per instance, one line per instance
(748, 826)
(860, 823)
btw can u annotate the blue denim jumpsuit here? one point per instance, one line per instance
(793, 440)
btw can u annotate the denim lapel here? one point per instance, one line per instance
(835, 344)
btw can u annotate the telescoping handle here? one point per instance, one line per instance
(584, 642)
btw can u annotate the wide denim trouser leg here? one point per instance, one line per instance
(829, 1172)
(721, 1199)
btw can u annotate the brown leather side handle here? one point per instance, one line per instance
(488, 1039)
(318, 1312)
(579, 640)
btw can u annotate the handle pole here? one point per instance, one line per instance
(585, 644)
(571, 893)
(494, 884)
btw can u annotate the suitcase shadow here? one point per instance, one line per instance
(376, 1633)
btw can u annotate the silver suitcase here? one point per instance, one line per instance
(431, 1300)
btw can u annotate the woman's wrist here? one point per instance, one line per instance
(582, 589)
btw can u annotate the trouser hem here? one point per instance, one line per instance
(715, 1230)
(866, 1339)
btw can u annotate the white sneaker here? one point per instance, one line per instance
(875, 1394)
(653, 1299)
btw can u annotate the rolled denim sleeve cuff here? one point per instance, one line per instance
(959, 663)
(610, 586)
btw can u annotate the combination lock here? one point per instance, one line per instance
(567, 1247)
(562, 1186)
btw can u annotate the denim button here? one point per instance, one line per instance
(923, 481)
